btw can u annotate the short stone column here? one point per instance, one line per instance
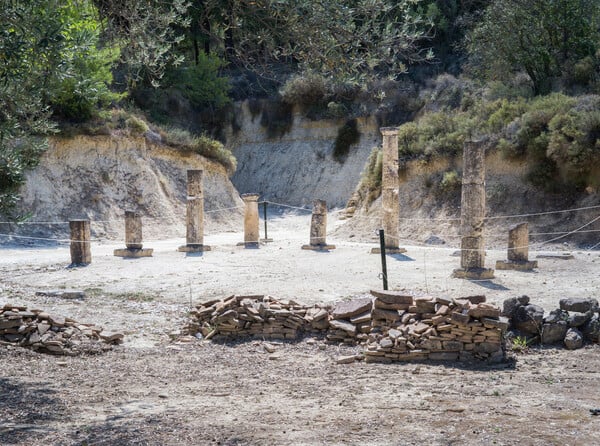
(390, 185)
(472, 214)
(518, 250)
(194, 237)
(133, 237)
(318, 228)
(251, 235)
(81, 252)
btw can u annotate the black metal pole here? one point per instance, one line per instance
(383, 261)
(265, 218)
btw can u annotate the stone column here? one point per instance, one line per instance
(518, 250)
(390, 185)
(318, 228)
(251, 234)
(133, 237)
(472, 214)
(195, 214)
(81, 253)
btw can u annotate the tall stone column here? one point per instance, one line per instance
(81, 251)
(251, 235)
(472, 214)
(318, 228)
(133, 237)
(390, 185)
(195, 214)
(518, 250)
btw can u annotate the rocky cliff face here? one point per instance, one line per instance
(298, 166)
(98, 178)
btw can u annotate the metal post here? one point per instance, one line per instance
(265, 218)
(383, 260)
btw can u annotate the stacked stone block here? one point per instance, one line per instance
(49, 333)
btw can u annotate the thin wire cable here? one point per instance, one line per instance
(57, 240)
(287, 206)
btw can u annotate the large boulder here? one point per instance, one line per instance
(528, 319)
(579, 305)
(578, 319)
(591, 330)
(554, 332)
(509, 307)
(573, 339)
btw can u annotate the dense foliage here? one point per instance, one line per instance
(69, 61)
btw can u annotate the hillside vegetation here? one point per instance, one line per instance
(524, 74)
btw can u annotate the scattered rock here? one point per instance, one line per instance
(528, 319)
(578, 319)
(554, 332)
(573, 339)
(350, 308)
(346, 359)
(591, 330)
(579, 305)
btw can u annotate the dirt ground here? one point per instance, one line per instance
(154, 390)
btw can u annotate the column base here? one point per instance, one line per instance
(193, 248)
(566, 256)
(388, 250)
(318, 247)
(133, 253)
(249, 245)
(473, 273)
(523, 265)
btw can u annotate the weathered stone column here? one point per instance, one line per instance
(195, 214)
(472, 214)
(390, 185)
(318, 227)
(518, 250)
(251, 234)
(81, 252)
(133, 237)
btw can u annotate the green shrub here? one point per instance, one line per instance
(83, 90)
(277, 117)
(451, 181)
(200, 83)
(347, 136)
(304, 90)
(202, 145)
(371, 177)
(136, 125)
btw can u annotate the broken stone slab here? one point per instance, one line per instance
(111, 336)
(346, 359)
(483, 310)
(561, 256)
(516, 265)
(473, 273)
(579, 305)
(349, 308)
(387, 315)
(361, 318)
(63, 294)
(501, 323)
(343, 325)
(392, 297)
(133, 253)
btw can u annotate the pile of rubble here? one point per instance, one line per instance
(393, 326)
(53, 334)
(576, 321)
(260, 316)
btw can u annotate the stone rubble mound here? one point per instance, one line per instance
(260, 316)
(576, 321)
(392, 326)
(48, 333)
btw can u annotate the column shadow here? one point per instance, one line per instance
(490, 285)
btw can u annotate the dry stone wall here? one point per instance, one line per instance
(391, 326)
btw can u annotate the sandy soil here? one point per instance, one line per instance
(155, 390)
